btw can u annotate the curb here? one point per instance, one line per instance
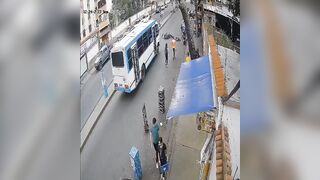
(93, 119)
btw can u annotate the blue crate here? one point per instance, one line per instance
(136, 163)
(164, 168)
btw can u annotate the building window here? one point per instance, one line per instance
(84, 33)
(101, 3)
(90, 28)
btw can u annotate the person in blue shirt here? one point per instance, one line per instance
(155, 138)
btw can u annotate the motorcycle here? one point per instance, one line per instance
(168, 36)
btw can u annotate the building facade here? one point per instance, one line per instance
(94, 20)
(104, 28)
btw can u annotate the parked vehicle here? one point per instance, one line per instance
(103, 57)
(158, 10)
(145, 16)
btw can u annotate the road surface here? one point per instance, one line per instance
(105, 155)
(91, 88)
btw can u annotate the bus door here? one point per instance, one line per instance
(135, 62)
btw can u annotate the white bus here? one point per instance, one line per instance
(133, 54)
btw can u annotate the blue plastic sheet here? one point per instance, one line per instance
(193, 92)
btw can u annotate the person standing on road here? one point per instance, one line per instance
(174, 45)
(166, 54)
(155, 139)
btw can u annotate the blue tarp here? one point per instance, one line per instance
(193, 92)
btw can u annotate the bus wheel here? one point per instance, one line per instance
(143, 72)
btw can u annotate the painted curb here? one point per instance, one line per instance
(93, 119)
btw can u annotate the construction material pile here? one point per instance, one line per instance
(161, 99)
(223, 158)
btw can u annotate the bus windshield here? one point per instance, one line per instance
(117, 59)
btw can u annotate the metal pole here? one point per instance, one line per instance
(235, 173)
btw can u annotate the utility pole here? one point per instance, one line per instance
(97, 18)
(185, 16)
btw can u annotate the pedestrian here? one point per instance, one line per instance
(162, 154)
(174, 45)
(166, 54)
(188, 58)
(155, 139)
(182, 28)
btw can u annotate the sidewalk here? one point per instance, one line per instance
(186, 145)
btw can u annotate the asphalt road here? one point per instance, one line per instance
(91, 87)
(91, 90)
(106, 154)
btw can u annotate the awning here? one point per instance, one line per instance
(193, 92)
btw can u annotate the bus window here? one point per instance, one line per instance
(117, 59)
(140, 46)
(150, 36)
(145, 39)
(129, 59)
(157, 29)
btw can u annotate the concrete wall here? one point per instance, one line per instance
(161, 2)
(83, 65)
(92, 53)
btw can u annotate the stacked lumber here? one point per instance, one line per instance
(223, 158)
(217, 68)
(161, 99)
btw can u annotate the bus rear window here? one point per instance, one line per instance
(117, 59)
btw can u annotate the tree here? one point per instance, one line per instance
(192, 50)
(234, 7)
(124, 9)
(112, 19)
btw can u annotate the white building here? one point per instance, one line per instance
(94, 19)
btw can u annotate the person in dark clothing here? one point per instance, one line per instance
(162, 154)
(166, 54)
(162, 151)
(155, 138)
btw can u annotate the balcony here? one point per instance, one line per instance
(104, 31)
(103, 24)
